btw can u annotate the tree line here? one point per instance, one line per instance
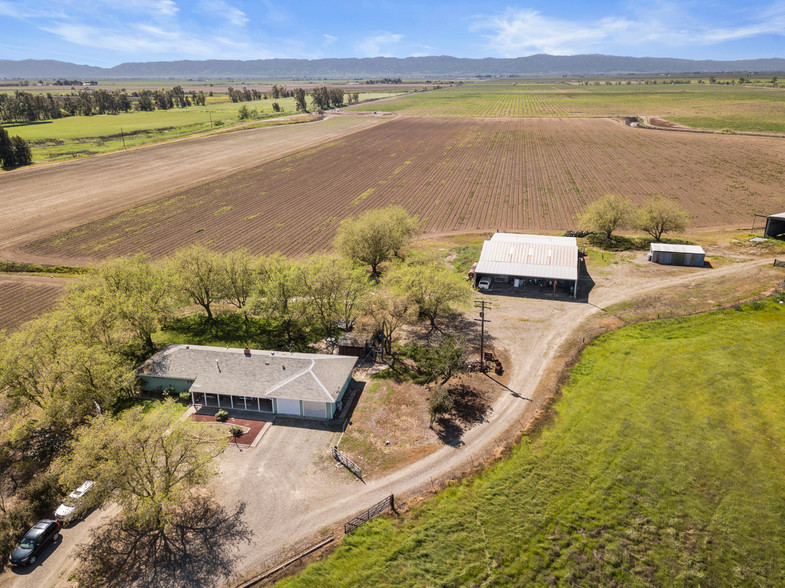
(26, 107)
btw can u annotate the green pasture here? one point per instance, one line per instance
(664, 466)
(77, 136)
(740, 108)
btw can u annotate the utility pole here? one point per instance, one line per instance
(482, 305)
(123, 136)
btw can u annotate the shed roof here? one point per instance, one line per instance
(261, 374)
(780, 216)
(673, 248)
(535, 256)
(553, 240)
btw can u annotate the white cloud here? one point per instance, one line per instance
(524, 32)
(223, 10)
(379, 45)
(329, 39)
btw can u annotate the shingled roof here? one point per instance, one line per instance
(258, 374)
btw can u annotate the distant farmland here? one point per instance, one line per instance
(741, 108)
(458, 175)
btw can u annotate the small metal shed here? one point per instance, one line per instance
(775, 226)
(669, 254)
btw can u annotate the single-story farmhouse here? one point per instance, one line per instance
(298, 384)
(529, 259)
(775, 226)
(669, 254)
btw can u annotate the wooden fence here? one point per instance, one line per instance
(377, 509)
(348, 463)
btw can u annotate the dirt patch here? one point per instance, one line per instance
(390, 424)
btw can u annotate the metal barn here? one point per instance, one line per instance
(775, 226)
(521, 260)
(668, 254)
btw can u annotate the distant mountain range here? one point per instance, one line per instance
(376, 67)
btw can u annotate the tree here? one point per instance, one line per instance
(47, 370)
(659, 216)
(153, 464)
(440, 402)
(375, 235)
(334, 289)
(299, 100)
(22, 153)
(440, 361)
(7, 153)
(435, 289)
(389, 311)
(144, 460)
(199, 272)
(281, 296)
(241, 272)
(606, 214)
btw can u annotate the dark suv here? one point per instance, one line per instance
(34, 541)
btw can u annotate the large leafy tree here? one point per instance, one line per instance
(435, 289)
(374, 236)
(607, 214)
(49, 372)
(281, 296)
(200, 275)
(334, 290)
(122, 297)
(659, 216)
(144, 460)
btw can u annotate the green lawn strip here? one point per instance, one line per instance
(13, 267)
(665, 465)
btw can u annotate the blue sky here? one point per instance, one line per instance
(109, 32)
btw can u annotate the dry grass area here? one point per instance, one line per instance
(390, 426)
(457, 175)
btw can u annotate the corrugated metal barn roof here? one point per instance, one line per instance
(671, 248)
(534, 256)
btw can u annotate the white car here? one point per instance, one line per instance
(74, 503)
(484, 284)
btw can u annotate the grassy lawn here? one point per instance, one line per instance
(665, 465)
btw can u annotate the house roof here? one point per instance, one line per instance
(673, 248)
(261, 374)
(534, 256)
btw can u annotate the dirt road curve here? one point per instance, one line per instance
(45, 199)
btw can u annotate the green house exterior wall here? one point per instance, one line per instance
(151, 384)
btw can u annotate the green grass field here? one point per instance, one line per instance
(740, 108)
(664, 466)
(77, 136)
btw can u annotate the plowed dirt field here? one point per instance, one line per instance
(23, 297)
(457, 174)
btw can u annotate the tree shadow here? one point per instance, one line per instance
(195, 548)
(470, 408)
